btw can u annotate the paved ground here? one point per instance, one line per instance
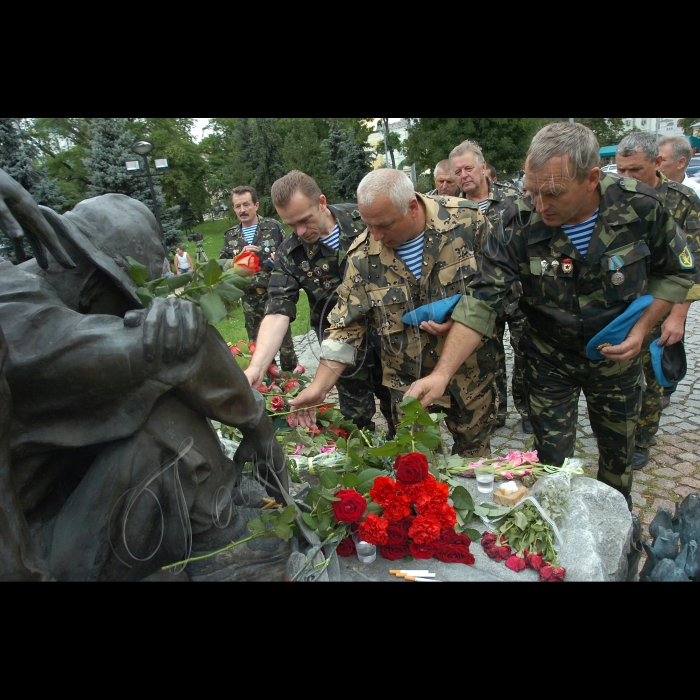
(674, 468)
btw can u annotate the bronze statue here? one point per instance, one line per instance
(115, 469)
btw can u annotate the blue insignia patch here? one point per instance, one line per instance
(686, 259)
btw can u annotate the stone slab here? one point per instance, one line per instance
(597, 538)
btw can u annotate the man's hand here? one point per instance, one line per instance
(251, 249)
(173, 329)
(20, 216)
(313, 395)
(254, 376)
(428, 390)
(673, 328)
(439, 329)
(627, 350)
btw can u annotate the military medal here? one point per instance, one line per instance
(615, 265)
(325, 267)
(555, 267)
(326, 283)
(317, 271)
(305, 266)
(235, 252)
(545, 266)
(317, 280)
(267, 250)
(567, 267)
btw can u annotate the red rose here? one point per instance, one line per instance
(264, 389)
(423, 551)
(246, 264)
(383, 491)
(314, 430)
(552, 574)
(299, 369)
(397, 509)
(488, 540)
(292, 384)
(274, 371)
(276, 389)
(411, 468)
(444, 513)
(515, 563)
(251, 348)
(394, 552)
(498, 554)
(374, 530)
(463, 540)
(397, 535)
(340, 433)
(447, 536)
(455, 554)
(235, 350)
(277, 403)
(534, 561)
(351, 507)
(405, 524)
(346, 548)
(425, 529)
(321, 409)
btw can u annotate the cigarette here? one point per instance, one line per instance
(419, 580)
(424, 574)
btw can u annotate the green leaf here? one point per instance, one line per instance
(324, 523)
(329, 478)
(473, 535)
(520, 520)
(137, 271)
(430, 441)
(375, 508)
(309, 520)
(256, 526)
(367, 478)
(177, 281)
(212, 307)
(228, 292)
(350, 480)
(390, 449)
(145, 297)
(211, 273)
(462, 499)
(283, 531)
(411, 406)
(288, 515)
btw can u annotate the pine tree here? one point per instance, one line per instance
(110, 149)
(18, 156)
(351, 162)
(266, 160)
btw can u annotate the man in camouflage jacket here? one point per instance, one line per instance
(379, 289)
(311, 265)
(638, 157)
(266, 241)
(636, 249)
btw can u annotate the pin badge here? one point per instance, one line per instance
(326, 267)
(545, 266)
(567, 266)
(317, 271)
(305, 266)
(267, 250)
(555, 267)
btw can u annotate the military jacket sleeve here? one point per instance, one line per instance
(636, 249)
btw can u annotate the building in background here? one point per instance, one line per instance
(666, 126)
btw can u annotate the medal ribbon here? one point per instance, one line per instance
(615, 264)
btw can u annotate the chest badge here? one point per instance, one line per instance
(545, 266)
(567, 266)
(618, 278)
(305, 266)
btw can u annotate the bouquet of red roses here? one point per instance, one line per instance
(414, 517)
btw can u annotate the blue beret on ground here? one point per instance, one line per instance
(437, 311)
(669, 363)
(616, 332)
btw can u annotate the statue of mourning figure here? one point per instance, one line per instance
(109, 466)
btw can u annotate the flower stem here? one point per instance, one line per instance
(212, 554)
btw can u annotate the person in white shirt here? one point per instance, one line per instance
(676, 154)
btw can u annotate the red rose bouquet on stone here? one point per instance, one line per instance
(414, 518)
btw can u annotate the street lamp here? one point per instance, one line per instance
(143, 148)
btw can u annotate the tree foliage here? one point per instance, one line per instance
(686, 123)
(349, 161)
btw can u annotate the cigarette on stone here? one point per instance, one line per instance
(419, 580)
(418, 573)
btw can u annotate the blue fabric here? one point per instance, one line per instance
(656, 357)
(616, 332)
(437, 311)
(669, 362)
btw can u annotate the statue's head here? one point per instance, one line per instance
(108, 229)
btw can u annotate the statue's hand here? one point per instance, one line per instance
(21, 217)
(173, 329)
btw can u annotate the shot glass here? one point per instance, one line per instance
(366, 552)
(484, 480)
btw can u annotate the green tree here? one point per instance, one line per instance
(503, 141)
(265, 160)
(686, 123)
(303, 150)
(608, 130)
(349, 161)
(18, 158)
(110, 149)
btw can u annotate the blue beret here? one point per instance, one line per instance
(669, 362)
(616, 332)
(432, 312)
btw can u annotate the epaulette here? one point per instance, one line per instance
(683, 189)
(230, 230)
(629, 184)
(464, 203)
(355, 215)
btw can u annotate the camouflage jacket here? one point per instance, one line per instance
(268, 238)
(636, 249)
(684, 206)
(379, 289)
(317, 269)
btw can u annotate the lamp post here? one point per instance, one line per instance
(143, 148)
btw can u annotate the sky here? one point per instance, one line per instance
(199, 124)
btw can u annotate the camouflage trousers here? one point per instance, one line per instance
(471, 425)
(254, 312)
(555, 380)
(516, 325)
(652, 399)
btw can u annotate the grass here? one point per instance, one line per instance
(233, 328)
